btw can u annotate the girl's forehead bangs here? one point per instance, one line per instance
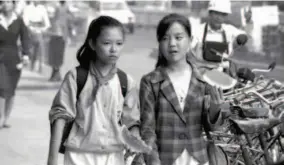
(94, 29)
(164, 28)
(104, 33)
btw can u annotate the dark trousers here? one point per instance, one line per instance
(56, 51)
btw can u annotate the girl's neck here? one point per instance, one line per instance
(104, 69)
(178, 66)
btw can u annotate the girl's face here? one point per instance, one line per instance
(109, 45)
(7, 6)
(175, 44)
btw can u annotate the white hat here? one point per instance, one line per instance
(223, 6)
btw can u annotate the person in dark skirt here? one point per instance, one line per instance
(59, 34)
(11, 28)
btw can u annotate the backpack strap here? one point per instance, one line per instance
(82, 75)
(123, 81)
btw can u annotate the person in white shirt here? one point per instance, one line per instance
(20, 5)
(216, 36)
(36, 19)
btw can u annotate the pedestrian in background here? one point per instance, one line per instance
(12, 27)
(36, 19)
(93, 139)
(172, 100)
(20, 5)
(215, 35)
(58, 38)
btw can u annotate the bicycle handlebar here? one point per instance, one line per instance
(246, 89)
(256, 96)
(268, 95)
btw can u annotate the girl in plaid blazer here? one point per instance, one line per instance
(172, 100)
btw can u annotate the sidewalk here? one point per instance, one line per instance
(26, 142)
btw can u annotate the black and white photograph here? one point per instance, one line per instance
(141, 82)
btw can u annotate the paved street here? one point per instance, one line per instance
(26, 142)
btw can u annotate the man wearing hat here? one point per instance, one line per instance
(216, 36)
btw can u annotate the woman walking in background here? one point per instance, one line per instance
(11, 28)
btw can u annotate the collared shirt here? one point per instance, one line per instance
(36, 17)
(94, 112)
(7, 22)
(231, 33)
(181, 84)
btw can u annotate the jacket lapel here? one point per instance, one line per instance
(170, 94)
(194, 89)
(192, 93)
(168, 91)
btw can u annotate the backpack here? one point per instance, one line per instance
(82, 75)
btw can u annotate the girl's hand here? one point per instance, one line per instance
(216, 101)
(216, 95)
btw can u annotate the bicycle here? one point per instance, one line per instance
(257, 113)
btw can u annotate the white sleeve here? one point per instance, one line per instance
(131, 108)
(26, 16)
(64, 103)
(45, 18)
(196, 43)
(234, 31)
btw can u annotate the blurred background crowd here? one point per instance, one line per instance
(266, 40)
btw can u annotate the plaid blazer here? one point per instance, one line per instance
(167, 128)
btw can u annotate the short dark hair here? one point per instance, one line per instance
(163, 27)
(1, 1)
(62, 2)
(85, 54)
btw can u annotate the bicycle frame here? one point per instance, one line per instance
(266, 145)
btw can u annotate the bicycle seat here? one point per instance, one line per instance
(246, 74)
(252, 112)
(252, 126)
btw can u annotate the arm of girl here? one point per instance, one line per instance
(148, 121)
(55, 141)
(131, 110)
(64, 103)
(63, 109)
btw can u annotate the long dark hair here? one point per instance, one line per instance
(163, 27)
(85, 54)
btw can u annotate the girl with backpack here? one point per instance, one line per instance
(176, 104)
(94, 106)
